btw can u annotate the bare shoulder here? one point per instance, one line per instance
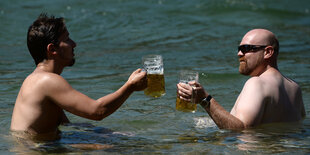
(255, 87)
(44, 82)
(249, 105)
(43, 77)
(254, 82)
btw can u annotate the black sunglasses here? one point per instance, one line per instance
(250, 48)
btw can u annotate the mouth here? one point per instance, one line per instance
(241, 59)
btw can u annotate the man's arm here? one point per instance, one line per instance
(222, 118)
(251, 102)
(60, 91)
(246, 112)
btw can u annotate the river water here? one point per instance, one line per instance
(113, 35)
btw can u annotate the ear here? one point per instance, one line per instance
(51, 49)
(269, 51)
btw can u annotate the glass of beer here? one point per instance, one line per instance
(153, 64)
(185, 77)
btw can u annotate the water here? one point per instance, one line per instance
(113, 35)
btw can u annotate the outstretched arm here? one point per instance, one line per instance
(79, 104)
(136, 82)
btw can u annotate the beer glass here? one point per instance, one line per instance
(185, 77)
(153, 64)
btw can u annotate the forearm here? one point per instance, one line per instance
(110, 103)
(221, 117)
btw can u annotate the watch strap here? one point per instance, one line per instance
(206, 101)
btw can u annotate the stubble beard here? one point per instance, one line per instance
(72, 62)
(244, 69)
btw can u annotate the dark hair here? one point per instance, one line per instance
(43, 31)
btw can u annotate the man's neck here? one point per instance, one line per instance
(262, 69)
(265, 70)
(50, 66)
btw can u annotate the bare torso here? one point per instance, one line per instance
(44, 94)
(269, 98)
(34, 112)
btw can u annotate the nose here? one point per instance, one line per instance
(240, 54)
(73, 43)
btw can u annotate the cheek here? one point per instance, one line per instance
(257, 60)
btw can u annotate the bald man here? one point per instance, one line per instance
(267, 97)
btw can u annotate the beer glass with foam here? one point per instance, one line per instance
(154, 66)
(185, 77)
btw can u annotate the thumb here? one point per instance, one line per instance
(194, 83)
(138, 70)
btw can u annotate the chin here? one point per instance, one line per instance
(244, 71)
(72, 62)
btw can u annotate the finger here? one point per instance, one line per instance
(143, 70)
(194, 83)
(138, 70)
(185, 86)
(143, 73)
(185, 99)
(184, 94)
(186, 91)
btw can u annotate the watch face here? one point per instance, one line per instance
(206, 101)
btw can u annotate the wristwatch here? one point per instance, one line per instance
(206, 101)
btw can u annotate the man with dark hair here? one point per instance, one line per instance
(43, 32)
(267, 97)
(44, 94)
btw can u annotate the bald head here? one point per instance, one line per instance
(261, 37)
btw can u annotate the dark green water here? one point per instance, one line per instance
(113, 35)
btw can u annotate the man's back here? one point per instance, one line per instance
(285, 100)
(271, 97)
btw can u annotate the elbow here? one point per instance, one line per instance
(97, 115)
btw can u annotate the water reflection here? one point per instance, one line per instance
(205, 137)
(75, 137)
(273, 138)
(270, 138)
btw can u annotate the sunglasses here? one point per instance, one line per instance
(250, 48)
